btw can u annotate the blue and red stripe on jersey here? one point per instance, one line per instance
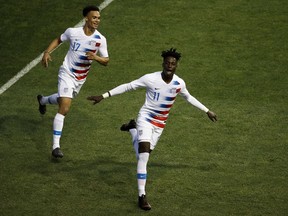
(89, 50)
(161, 118)
(161, 112)
(76, 73)
(155, 123)
(80, 77)
(79, 71)
(83, 57)
(170, 98)
(166, 105)
(83, 64)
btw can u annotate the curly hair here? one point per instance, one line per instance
(89, 8)
(171, 52)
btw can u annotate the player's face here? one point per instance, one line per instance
(93, 19)
(169, 66)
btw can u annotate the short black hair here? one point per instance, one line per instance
(171, 52)
(89, 8)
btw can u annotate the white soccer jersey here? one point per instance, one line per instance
(76, 63)
(160, 96)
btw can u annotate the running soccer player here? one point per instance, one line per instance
(86, 44)
(162, 87)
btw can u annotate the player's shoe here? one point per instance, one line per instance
(42, 108)
(128, 126)
(143, 203)
(57, 153)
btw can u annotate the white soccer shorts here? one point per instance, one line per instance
(148, 132)
(67, 85)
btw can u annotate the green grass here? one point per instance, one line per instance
(234, 61)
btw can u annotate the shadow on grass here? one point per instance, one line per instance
(22, 131)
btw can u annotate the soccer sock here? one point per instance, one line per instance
(57, 129)
(134, 135)
(51, 99)
(142, 172)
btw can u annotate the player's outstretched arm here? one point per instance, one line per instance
(212, 116)
(46, 56)
(96, 99)
(115, 91)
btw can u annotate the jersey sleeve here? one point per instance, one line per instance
(66, 35)
(192, 100)
(139, 83)
(103, 50)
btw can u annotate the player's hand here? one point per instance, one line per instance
(46, 58)
(96, 99)
(212, 116)
(91, 55)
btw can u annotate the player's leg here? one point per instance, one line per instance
(51, 99)
(145, 133)
(58, 123)
(145, 148)
(43, 100)
(144, 153)
(134, 135)
(131, 127)
(67, 89)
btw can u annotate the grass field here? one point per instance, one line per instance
(234, 60)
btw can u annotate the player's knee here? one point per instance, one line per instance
(144, 147)
(63, 110)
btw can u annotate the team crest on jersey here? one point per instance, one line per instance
(94, 43)
(175, 90)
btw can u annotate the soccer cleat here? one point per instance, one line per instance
(143, 203)
(57, 153)
(42, 108)
(128, 126)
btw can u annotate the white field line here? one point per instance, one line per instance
(34, 62)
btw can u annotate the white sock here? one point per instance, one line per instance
(51, 99)
(134, 135)
(142, 172)
(57, 129)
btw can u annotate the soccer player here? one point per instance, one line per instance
(86, 45)
(162, 87)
